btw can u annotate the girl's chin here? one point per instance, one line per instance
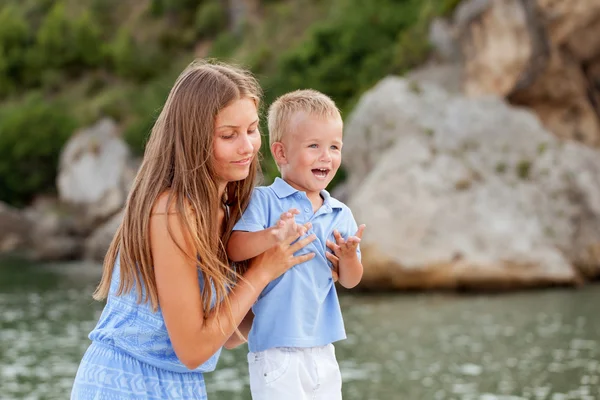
(235, 176)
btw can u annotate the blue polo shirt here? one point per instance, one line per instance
(301, 307)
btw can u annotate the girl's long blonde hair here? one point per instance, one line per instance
(179, 159)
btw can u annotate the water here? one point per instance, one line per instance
(527, 345)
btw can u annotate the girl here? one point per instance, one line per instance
(172, 303)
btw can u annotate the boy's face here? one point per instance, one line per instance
(312, 152)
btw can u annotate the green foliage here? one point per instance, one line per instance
(87, 40)
(70, 44)
(146, 107)
(224, 45)
(133, 61)
(182, 8)
(210, 18)
(49, 47)
(32, 135)
(104, 11)
(448, 6)
(523, 169)
(345, 55)
(14, 38)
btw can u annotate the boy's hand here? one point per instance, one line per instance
(343, 248)
(287, 226)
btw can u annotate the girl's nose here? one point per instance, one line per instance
(246, 146)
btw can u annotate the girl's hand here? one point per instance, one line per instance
(344, 249)
(335, 271)
(279, 258)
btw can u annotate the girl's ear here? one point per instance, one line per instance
(278, 151)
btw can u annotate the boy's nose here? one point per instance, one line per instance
(325, 156)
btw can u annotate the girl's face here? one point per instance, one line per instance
(237, 140)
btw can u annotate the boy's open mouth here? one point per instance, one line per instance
(320, 173)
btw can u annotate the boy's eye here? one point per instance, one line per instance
(335, 147)
(313, 146)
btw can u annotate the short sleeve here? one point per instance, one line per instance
(254, 217)
(350, 227)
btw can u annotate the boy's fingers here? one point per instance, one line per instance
(338, 238)
(308, 226)
(290, 238)
(334, 247)
(360, 231)
(294, 211)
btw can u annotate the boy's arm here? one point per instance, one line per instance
(235, 340)
(350, 271)
(244, 245)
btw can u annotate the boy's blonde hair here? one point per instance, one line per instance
(283, 109)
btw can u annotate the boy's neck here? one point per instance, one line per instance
(314, 197)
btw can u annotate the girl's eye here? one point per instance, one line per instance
(226, 137)
(253, 131)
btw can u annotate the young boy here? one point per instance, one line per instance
(297, 317)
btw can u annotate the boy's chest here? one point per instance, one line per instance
(324, 215)
(323, 221)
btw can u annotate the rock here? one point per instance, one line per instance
(58, 248)
(574, 24)
(593, 77)
(443, 41)
(98, 242)
(560, 98)
(498, 40)
(55, 234)
(583, 43)
(447, 76)
(458, 192)
(535, 53)
(15, 231)
(95, 173)
(340, 192)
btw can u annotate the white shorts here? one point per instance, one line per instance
(294, 373)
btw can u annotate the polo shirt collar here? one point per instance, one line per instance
(283, 189)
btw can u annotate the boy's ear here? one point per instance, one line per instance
(278, 151)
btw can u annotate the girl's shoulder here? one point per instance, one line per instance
(166, 204)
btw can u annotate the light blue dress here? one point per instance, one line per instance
(131, 355)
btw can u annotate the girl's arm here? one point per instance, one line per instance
(195, 336)
(235, 340)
